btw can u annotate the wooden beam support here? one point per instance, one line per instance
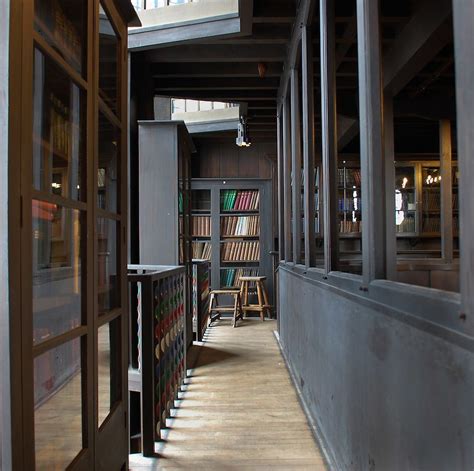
(287, 179)
(446, 168)
(303, 18)
(329, 134)
(371, 143)
(296, 165)
(463, 11)
(308, 147)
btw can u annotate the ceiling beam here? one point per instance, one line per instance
(227, 83)
(218, 53)
(420, 40)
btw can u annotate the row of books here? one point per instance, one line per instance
(240, 251)
(231, 276)
(245, 200)
(201, 226)
(52, 21)
(432, 224)
(350, 226)
(350, 204)
(431, 201)
(348, 177)
(202, 250)
(407, 225)
(240, 225)
(60, 125)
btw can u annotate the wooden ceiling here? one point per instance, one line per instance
(417, 59)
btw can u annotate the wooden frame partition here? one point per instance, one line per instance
(53, 232)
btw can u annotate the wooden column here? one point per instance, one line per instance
(296, 165)
(308, 147)
(371, 142)
(463, 11)
(281, 190)
(287, 180)
(389, 147)
(329, 134)
(446, 168)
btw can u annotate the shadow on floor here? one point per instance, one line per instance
(201, 355)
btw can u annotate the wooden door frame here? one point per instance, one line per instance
(20, 154)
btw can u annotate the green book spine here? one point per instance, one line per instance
(234, 197)
(226, 200)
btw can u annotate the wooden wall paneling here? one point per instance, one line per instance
(446, 168)
(229, 162)
(371, 144)
(329, 134)
(248, 163)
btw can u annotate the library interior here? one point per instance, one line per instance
(237, 235)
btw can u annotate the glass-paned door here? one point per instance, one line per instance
(72, 388)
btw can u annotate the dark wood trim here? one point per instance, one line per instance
(329, 135)
(55, 342)
(371, 141)
(287, 180)
(281, 189)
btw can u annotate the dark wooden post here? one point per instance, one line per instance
(329, 134)
(446, 190)
(389, 147)
(287, 179)
(371, 142)
(281, 190)
(308, 146)
(296, 164)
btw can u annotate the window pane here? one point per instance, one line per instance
(192, 105)
(206, 105)
(108, 61)
(59, 112)
(109, 168)
(108, 288)
(109, 367)
(58, 406)
(63, 24)
(405, 200)
(178, 106)
(57, 275)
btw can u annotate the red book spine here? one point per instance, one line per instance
(237, 201)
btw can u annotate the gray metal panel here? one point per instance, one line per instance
(387, 376)
(158, 197)
(5, 427)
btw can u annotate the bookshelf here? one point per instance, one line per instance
(349, 200)
(239, 239)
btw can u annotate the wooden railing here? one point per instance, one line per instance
(157, 345)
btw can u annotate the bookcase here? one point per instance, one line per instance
(232, 228)
(165, 149)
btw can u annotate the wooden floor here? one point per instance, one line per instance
(239, 411)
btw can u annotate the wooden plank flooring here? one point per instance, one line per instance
(240, 410)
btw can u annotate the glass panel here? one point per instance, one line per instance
(58, 131)
(109, 367)
(108, 174)
(405, 200)
(58, 248)
(205, 105)
(63, 24)
(108, 61)
(58, 406)
(108, 283)
(192, 105)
